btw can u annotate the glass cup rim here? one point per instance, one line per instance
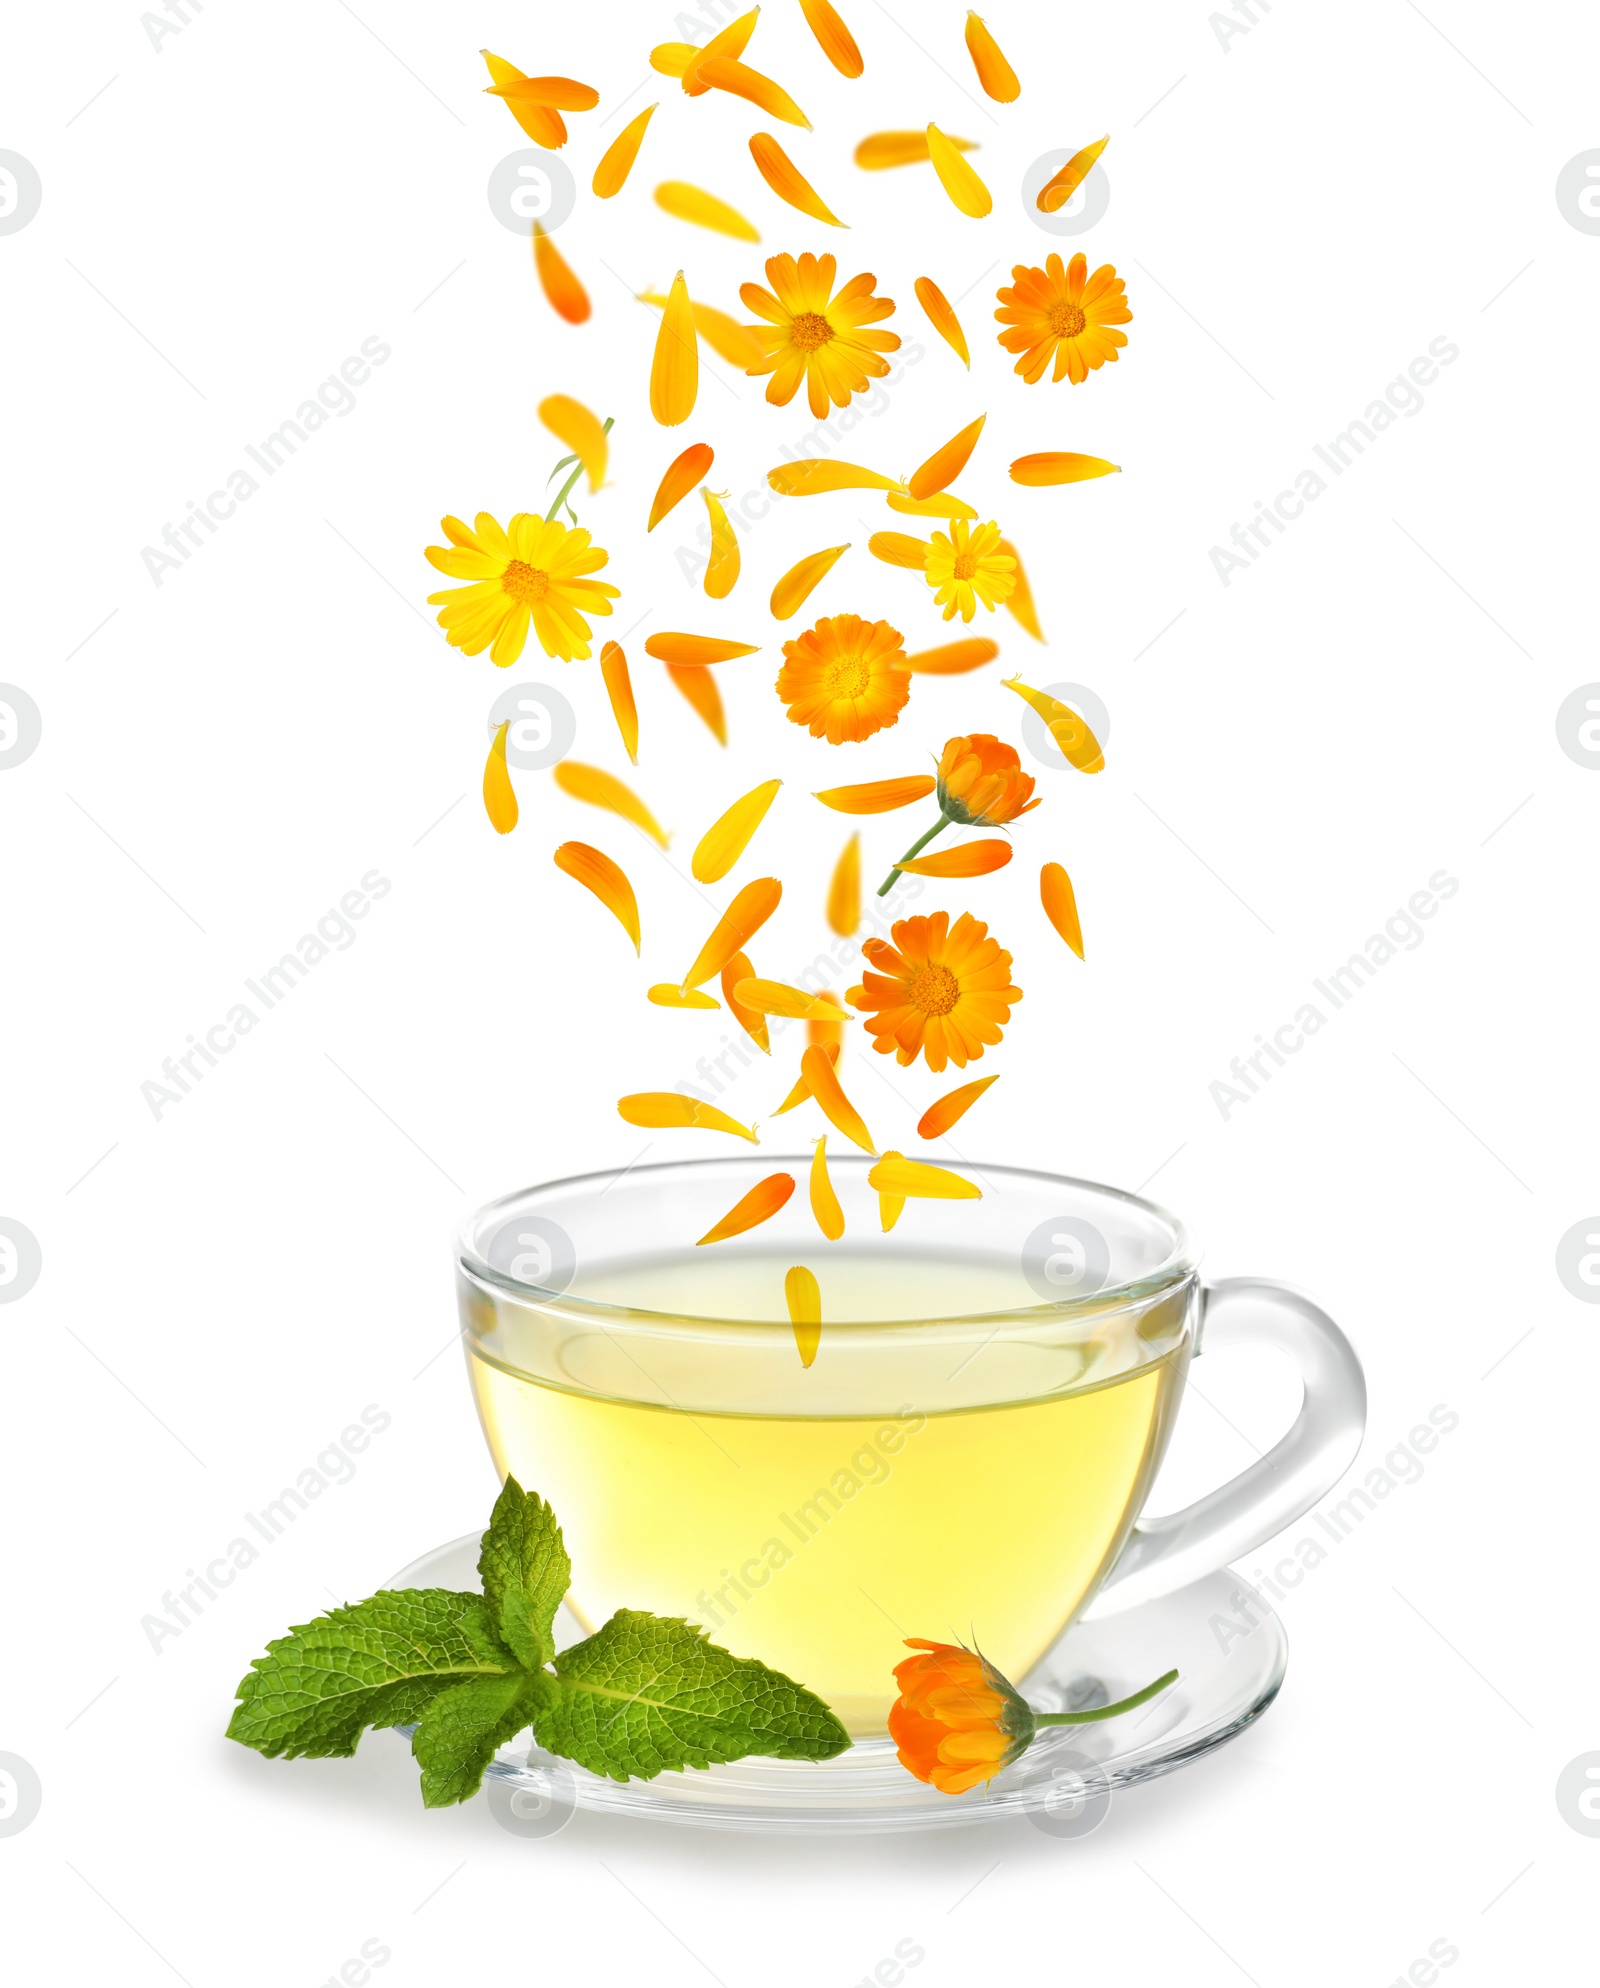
(1179, 1264)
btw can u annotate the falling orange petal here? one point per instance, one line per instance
(824, 1202)
(682, 474)
(967, 192)
(1061, 905)
(672, 58)
(954, 658)
(672, 646)
(550, 92)
(899, 549)
(890, 1206)
(1074, 740)
(1040, 470)
(721, 72)
(726, 336)
(666, 995)
(722, 568)
(611, 175)
(942, 504)
(820, 1074)
(772, 997)
(544, 126)
(833, 37)
(878, 797)
(704, 210)
(787, 182)
(997, 76)
(900, 148)
(596, 872)
(969, 859)
(802, 1090)
(1055, 193)
(941, 315)
(829, 1032)
(937, 1120)
(816, 476)
(844, 893)
(750, 1210)
(732, 42)
(571, 422)
(754, 1025)
(1020, 599)
(499, 798)
(604, 790)
(726, 840)
(894, 1174)
(946, 463)
(619, 688)
(796, 587)
(699, 686)
(804, 1300)
(749, 911)
(663, 1111)
(675, 368)
(567, 296)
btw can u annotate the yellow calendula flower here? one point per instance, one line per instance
(966, 568)
(812, 334)
(1063, 314)
(845, 678)
(534, 573)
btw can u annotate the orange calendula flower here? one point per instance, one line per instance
(754, 1025)
(534, 574)
(665, 1111)
(1063, 314)
(937, 1120)
(916, 1180)
(603, 790)
(787, 181)
(499, 798)
(798, 584)
(971, 859)
(726, 840)
(878, 797)
(817, 476)
(1061, 905)
(750, 1210)
(571, 422)
(773, 997)
(671, 645)
(704, 210)
(804, 1299)
(822, 1080)
(808, 333)
(726, 336)
(1060, 466)
(722, 565)
(722, 72)
(749, 911)
(675, 367)
(981, 782)
(699, 687)
(967, 192)
(844, 892)
(968, 568)
(947, 462)
(1020, 599)
(1056, 192)
(611, 175)
(824, 1202)
(845, 678)
(954, 658)
(997, 76)
(901, 148)
(542, 124)
(596, 872)
(557, 279)
(942, 317)
(833, 37)
(619, 689)
(940, 991)
(1075, 742)
(680, 477)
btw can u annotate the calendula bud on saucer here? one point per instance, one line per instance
(957, 1721)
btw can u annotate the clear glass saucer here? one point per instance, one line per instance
(1229, 1648)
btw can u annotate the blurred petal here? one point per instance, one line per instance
(567, 296)
(699, 686)
(1020, 599)
(604, 790)
(955, 658)
(691, 203)
(571, 422)
(900, 148)
(844, 892)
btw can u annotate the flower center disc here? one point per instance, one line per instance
(810, 330)
(935, 990)
(1066, 320)
(966, 565)
(849, 677)
(525, 583)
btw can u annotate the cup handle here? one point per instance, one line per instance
(1164, 1554)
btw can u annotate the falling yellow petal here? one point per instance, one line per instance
(890, 1206)
(571, 422)
(543, 125)
(878, 797)
(941, 315)
(969, 859)
(726, 840)
(672, 58)
(722, 568)
(1055, 193)
(551, 92)
(499, 798)
(894, 1174)
(967, 192)
(804, 1300)
(675, 369)
(664, 1111)
(1061, 905)
(816, 476)
(749, 911)
(942, 504)
(721, 72)
(754, 1025)
(946, 463)
(672, 646)
(937, 1120)
(596, 872)
(666, 995)
(689, 203)
(772, 997)
(611, 175)
(823, 1080)
(802, 1090)
(833, 37)
(844, 893)
(1020, 599)
(954, 658)
(699, 686)
(750, 1210)
(732, 42)
(1059, 467)
(726, 336)
(824, 1202)
(567, 296)
(787, 182)
(997, 76)
(681, 476)
(1074, 740)
(900, 148)
(899, 549)
(797, 585)
(604, 790)
(619, 688)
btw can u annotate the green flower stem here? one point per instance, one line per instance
(938, 827)
(566, 488)
(1105, 1711)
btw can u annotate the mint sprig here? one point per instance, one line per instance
(643, 1695)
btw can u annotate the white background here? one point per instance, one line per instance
(1297, 214)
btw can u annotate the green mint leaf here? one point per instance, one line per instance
(374, 1663)
(462, 1725)
(525, 1571)
(645, 1694)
